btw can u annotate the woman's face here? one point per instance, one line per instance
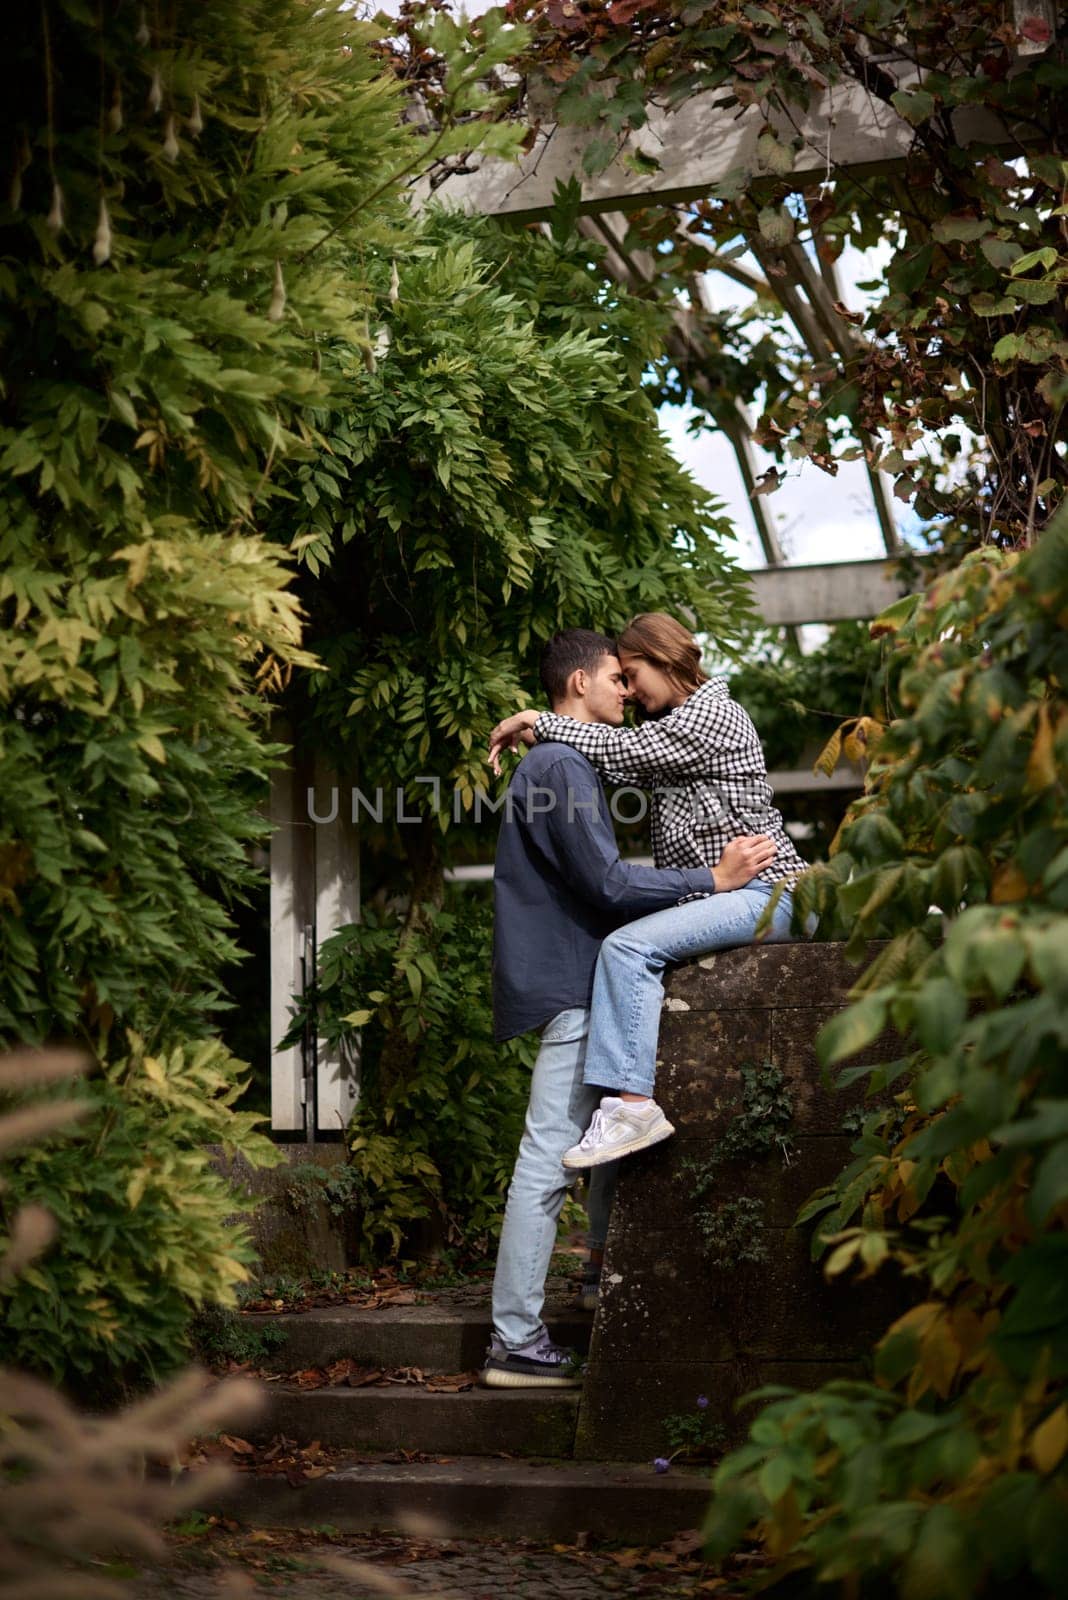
(648, 685)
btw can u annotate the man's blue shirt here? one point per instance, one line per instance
(559, 887)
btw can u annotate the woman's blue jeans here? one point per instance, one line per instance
(628, 986)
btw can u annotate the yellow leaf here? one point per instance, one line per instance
(136, 1187)
(154, 1069)
(866, 734)
(1041, 764)
(827, 759)
(840, 1258)
(1050, 1440)
(152, 745)
(1009, 884)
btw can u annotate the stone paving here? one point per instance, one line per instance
(299, 1568)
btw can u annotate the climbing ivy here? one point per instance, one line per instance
(947, 1475)
(732, 1228)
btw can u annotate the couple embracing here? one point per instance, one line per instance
(582, 938)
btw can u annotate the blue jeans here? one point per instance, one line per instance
(628, 986)
(558, 1114)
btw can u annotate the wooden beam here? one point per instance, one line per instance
(802, 781)
(838, 591)
(697, 145)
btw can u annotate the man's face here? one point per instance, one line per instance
(606, 692)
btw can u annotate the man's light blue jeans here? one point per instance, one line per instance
(628, 986)
(558, 1114)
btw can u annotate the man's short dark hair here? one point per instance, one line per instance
(576, 649)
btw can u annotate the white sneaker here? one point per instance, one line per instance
(619, 1127)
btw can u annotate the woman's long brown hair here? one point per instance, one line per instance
(665, 644)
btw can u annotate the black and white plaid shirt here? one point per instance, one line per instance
(705, 767)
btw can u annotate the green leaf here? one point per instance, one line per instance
(1046, 257)
(960, 229)
(1001, 253)
(940, 1008)
(598, 154)
(1049, 1188)
(852, 1030)
(775, 1477)
(776, 225)
(915, 105)
(773, 155)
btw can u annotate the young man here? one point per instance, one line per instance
(559, 888)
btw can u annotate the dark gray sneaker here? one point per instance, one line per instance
(538, 1365)
(589, 1292)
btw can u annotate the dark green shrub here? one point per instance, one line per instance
(948, 1476)
(434, 1146)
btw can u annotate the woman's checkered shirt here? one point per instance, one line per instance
(705, 767)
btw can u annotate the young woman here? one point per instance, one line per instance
(699, 754)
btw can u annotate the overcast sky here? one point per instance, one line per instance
(819, 518)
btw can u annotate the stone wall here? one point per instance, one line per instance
(671, 1325)
(292, 1226)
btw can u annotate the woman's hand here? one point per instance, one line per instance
(508, 735)
(742, 860)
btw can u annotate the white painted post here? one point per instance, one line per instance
(337, 903)
(291, 911)
(315, 890)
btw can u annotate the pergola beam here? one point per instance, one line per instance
(838, 591)
(696, 145)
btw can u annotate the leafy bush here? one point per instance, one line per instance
(947, 1477)
(191, 186)
(795, 699)
(436, 1145)
(75, 1490)
(142, 1217)
(200, 198)
(500, 475)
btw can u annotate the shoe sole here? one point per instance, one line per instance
(494, 1378)
(601, 1158)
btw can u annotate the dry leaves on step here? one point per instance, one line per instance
(355, 1375)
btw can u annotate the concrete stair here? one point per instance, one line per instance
(435, 1338)
(503, 1462)
(477, 1422)
(472, 1497)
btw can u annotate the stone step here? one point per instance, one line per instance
(488, 1499)
(475, 1422)
(434, 1337)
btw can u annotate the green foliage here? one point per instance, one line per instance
(435, 1146)
(948, 1477)
(500, 476)
(194, 190)
(790, 697)
(147, 396)
(732, 1232)
(143, 1219)
(219, 1337)
(732, 1228)
(339, 1188)
(693, 1434)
